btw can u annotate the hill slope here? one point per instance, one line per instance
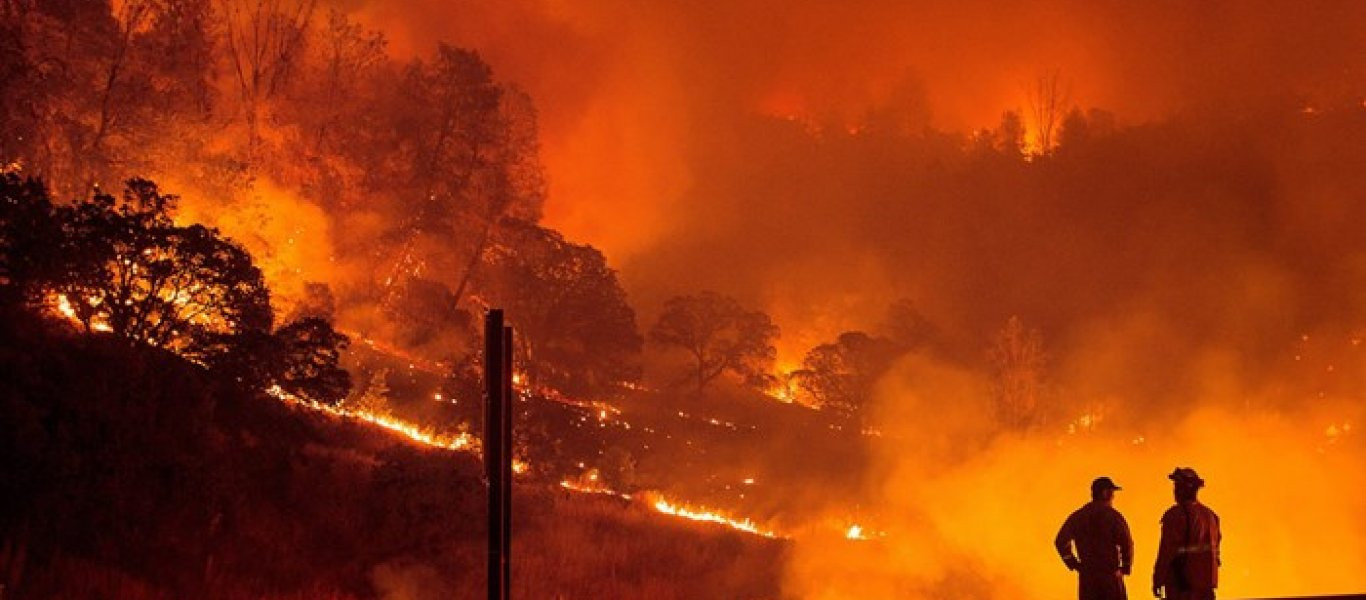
(126, 472)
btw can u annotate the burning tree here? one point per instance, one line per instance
(1048, 103)
(840, 375)
(265, 40)
(128, 268)
(124, 267)
(304, 360)
(91, 88)
(719, 336)
(465, 149)
(577, 331)
(1018, 362)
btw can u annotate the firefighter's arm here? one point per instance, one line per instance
(1126, 547)
(1217, 538)
(1063, 544)
(1166, 551)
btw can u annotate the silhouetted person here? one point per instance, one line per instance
(1105, 550)
(1188, 557)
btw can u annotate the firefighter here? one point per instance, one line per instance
(1105, 550)
(1188, 558)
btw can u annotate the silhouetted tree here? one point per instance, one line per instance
(576, 330)
(1048, 103)
(840, 375)
(719, 336)
(907, 328)
(1018, 365)
(1010, 135)
(306, 360)
(127, 267)
(28, 231)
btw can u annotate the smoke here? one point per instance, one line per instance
(971, 513)
(631, 94)
(289, 237)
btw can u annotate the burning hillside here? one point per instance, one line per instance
(784, 284)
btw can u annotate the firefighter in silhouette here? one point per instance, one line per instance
(1105, 550)
(1188, 557)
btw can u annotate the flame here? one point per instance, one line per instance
(463, 441)
(427, 436)
(590, 483)
(62, 307)
(708, 515)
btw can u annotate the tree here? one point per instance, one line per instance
(343, 53)
(124, 267)
(840, 375)
(426, 316)
(1011, 135)
(1018, 364)
(27, 230)
(1048, 103)
(265, 41)
(1079, 128)
(127, 267)
(306, 358)
(92, 89)
(576, 331)
(907, 328)
(466, 154)
(317, 301)
(374, 399)
(719, 335)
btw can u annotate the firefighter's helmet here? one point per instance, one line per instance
(1186, 476)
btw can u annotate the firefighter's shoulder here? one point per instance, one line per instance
(1175, 512)
(1210, 512)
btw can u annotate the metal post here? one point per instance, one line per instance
(498, 449)
(509, 410)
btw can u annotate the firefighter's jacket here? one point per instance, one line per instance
(1188, 556)
(1101, 536)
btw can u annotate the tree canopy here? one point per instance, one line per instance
(719, 335)
(840, 375)
(576, 330)
(122, 266)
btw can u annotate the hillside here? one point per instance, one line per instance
(130, 473)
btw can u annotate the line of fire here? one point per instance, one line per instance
(868, 299)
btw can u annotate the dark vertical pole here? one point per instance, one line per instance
(497, 460)
(509, 410)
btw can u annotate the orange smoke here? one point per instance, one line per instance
(975, 512)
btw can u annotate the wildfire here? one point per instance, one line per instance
(62, 306)
(462, 441)
(591, 483)
(663, 505)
